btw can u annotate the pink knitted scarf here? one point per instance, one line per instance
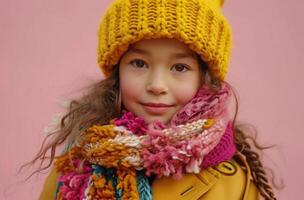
(212, 149)
(198, 136)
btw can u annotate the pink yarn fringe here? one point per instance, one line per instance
(165, 157)
(75, 184)
(135, 124)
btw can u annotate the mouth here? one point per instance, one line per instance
(156, 104)
(156, 108)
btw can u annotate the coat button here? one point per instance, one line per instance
(226, 168)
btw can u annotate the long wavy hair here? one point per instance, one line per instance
(102, 103)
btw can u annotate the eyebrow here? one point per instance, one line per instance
(174, 55)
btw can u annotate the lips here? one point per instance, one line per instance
(156, 104)
(156, 108)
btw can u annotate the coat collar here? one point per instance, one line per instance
(194, 186)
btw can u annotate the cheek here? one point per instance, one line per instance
(125, 86)
(185, 92)
(130, 88)
(184, 97)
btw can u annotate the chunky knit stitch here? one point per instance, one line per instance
(198, 23)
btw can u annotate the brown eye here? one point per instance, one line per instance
(180, 68)
(138, 63)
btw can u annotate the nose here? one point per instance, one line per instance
(157, 83)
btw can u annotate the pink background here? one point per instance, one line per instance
(48, 52)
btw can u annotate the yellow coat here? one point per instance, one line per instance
(229, 180)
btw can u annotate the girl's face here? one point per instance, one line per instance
(158, 77)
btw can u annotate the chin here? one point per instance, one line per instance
(160, 119)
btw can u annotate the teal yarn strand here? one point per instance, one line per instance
(143, 186)
(59, 184)
(118, 192)
(110, 175)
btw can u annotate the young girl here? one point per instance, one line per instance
(159, 126)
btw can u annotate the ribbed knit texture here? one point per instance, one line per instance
(223, 151)
(198, 23)
(144, 188)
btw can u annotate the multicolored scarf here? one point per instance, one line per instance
(116, 161)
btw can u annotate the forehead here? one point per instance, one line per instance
(163, 45)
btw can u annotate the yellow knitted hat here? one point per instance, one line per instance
(198, 23)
